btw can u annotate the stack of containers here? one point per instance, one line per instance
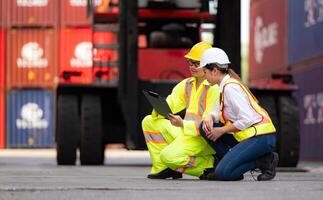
(2, 77)
(31, 70)
(75, 39)
(305, 58)
(286, 36)
(76, 42)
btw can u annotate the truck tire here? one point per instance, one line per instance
(283, 112)
(289, 138)
(92, 148)
(68, 129)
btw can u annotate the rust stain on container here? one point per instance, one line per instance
(32, 58)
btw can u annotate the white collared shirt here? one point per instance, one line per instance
(237, 106)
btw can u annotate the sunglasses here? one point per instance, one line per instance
(193, 63)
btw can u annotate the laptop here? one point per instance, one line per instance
(158, 103)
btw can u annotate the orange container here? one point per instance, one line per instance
(2, 118)
(32, 58)
(73, 12)
(2, 58)
(75, 55)
(31, 12)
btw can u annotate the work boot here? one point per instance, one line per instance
(212, 177)
(209, 171)
(267, 164)
(205, 174)
(166, 173)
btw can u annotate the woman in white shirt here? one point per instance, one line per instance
(241, 116)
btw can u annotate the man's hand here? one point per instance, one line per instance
(215, 133)
(175, 120)
(208, 124)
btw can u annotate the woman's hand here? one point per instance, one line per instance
(215, 133)
(175, 120)
(207, 124)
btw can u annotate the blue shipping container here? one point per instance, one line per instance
(30, 118)
(305, 30)
(310, 101)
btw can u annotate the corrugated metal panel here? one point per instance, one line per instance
(2, 118)
(32, 58)
(310, 100)
(3, 13)
(75, 64)
(73, 12)
(32, 12)
(268, 42)
(30, 118)
(2, 58)
(171, 64)
(305, 30)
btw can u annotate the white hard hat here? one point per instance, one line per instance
(214, 56)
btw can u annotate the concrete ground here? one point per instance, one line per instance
(33, 174)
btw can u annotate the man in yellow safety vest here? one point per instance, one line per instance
(175, 144)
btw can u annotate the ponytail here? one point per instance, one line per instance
(234, 75)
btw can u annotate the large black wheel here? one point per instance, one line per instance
(289, 138)
(68, 129)
(283, 111)
(92, 148)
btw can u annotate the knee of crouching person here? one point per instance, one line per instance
(146, 120)
(166, 157)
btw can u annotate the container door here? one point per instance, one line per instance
(30, 119)
(32, 58)
(75, 64)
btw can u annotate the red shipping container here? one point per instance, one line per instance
(2, 118)
(268, 41)
(75, 65)
(32, 12)
(171, 64)
(73, 12)
(2, 58)
(32, 58)
(110, 39)
(3, 14)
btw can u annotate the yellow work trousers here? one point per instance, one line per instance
(170, 148)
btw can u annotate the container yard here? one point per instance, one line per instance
(72, 110)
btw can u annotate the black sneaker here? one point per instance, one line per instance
(267, 164)
(166, 173)
(205, 174)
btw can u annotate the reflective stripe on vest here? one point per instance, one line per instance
(154, 137)
(201, 103)
(265, 126)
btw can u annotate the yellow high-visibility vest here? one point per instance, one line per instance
(198, 102)
(265, 126)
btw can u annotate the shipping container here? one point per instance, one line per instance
(30, 118)
(75, 65)
(74, 12)
(305, 30)
(268, 41)
(2, 58)
(32, 58)
(3, 14)
(2, 118)
(31, 12)
(171, 64)
(310, 101)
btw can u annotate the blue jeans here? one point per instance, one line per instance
(241, 157)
